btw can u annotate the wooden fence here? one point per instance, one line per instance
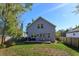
(70, 41)
(0, 39)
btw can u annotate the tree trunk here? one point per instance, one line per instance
(3, 34)
(4, 28)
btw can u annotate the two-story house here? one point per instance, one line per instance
(41, 30)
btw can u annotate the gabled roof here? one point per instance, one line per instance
(73, 30)
(42, 19)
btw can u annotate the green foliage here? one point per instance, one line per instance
(58, 34)
(61, 33)
(77, 26)
(9, 13)
(76, 11)
(1, 26)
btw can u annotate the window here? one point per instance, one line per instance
(37, 35)
(38, 26)
(40, 35)
(33, 35)
(41, 25)
(48, 35)
(73, 33)
(43, 35)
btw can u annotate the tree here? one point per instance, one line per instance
(77, 26)
(1, 26)
(76, 11)
(61, 33)
(29, 24)
(9, 13)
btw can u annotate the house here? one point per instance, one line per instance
(24, 34)
(73, 33)
(41, 30)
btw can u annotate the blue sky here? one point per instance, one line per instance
(59, 14)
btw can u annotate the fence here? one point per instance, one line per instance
(70, 41)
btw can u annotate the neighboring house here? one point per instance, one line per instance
(24, 34)
(73, 33)
(42, 30)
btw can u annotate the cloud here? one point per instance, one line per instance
(53, 9)
(36, 5)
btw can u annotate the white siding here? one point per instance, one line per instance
(73, 34)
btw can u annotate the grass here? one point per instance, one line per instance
(53, 49)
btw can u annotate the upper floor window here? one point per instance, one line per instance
(40, 26)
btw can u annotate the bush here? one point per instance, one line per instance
(3, 46)
(58, 39)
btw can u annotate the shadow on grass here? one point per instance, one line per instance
(21, 41)
(24, 43)
(74, 48)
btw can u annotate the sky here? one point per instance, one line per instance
(59, 14)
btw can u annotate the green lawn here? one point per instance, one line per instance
(53, 49)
